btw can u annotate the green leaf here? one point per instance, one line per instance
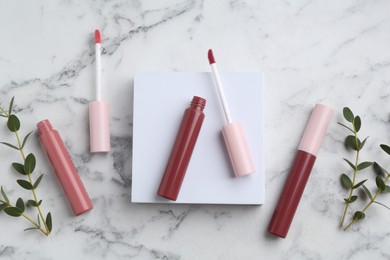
(25, 184)
(4, 195)
(364, 165)
(25, 139)
(11, 104)
(385, 148)
(359, 184)
(13, 212)
(350, 141)
(353, 198)
(19, 168)
(20, 204)
(381, 204)
(379, 170)
(48, 221)
(348, 115)
(29, 163)
(10, 145)
(32, 203)
(350, 164)
(13, 123)
(387, 189)
(357, 123)
(367, 191)
(31, 228)
(346, 181)
(362, 143)
(38, 181)
(2, 206)
(380, 183)
(359, 215)
(346, 127)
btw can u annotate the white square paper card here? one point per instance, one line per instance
(160, 99)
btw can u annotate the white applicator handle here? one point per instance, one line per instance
(222, 97)
(98, 73)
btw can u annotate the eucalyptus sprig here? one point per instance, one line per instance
(353, 142)
(26, 169)
(382, 177)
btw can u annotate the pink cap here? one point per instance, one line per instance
(99, 126)
(238, 149)
(316, 129)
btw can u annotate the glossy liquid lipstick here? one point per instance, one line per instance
(182, 149)
(300, 171)
(64, 169)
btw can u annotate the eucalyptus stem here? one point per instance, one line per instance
(372, 200)
(26, 169)
(353, 142)
(354, 177)
(46, 233)
(30, 180)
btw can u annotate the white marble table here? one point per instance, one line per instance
(334, 52)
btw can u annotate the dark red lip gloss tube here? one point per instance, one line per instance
(64, 168)
(300, 171)
(182, 149)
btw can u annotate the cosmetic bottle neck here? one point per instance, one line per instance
(44, 127)
(198, 103)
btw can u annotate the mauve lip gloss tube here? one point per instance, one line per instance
(182, 149)
(300, 171)
(64, 168)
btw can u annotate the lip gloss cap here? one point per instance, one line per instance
(99, 126)
(316, 129)
(238, 149)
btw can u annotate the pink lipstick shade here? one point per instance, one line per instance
(300, 171)
(64, 168)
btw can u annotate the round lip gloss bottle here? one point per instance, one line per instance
(183, 147)
(64, 168)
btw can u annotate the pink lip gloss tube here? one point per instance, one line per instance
(300, 171)
(64, 168)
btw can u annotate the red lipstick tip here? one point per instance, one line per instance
(211, 56)
(97, 37)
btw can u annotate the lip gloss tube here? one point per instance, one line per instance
(300, 171)
(182, 149)
(64, 168)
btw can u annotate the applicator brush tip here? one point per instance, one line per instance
(97, 37)
(211, 56)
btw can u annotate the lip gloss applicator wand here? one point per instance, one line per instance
(99, 126)
(232, 132)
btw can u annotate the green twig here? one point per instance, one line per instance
(30, 180)
(354, 173)
(367, 206)
(46, 233)
(14, 128)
